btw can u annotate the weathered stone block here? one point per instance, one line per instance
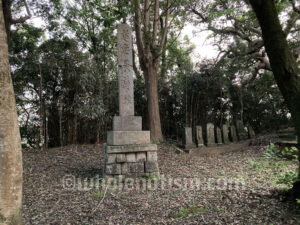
(241, 132)
(120, 158)
(187, 140)
(199, 136)
(210, 135)
(119, 178)
(131, 148)
(152, 156)
(124, 168)
(130, 157)
(113, 169)
(141, 156)
(137, 167)
(151, 166)
(110, 158)
(219, 136)
(128, 137)
(251, 132)
(225, 133)
(127, 123)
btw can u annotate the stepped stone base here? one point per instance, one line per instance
(123, 161)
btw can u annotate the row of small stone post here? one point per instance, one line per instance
(216, 135)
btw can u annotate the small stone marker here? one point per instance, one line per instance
(210, 135)
(251, 132)
(188, 138)
(199, 136)
(233, 134)
(219, 136)
(241, 132)
(128, 151)
(225, 133)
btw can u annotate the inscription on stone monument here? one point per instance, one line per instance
(126, 97)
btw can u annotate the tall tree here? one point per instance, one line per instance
(10, 141)
(151, 32)
(282, 61)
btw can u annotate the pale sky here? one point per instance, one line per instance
(204, 49)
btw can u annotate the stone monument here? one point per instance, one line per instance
(199, 136)
(128, 151)
(210, 135)
(241, 132)
(188, 138)
(233, 134)
(219, 136)
(225, 133)
(251, 132)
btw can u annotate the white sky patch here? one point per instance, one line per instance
(204, 48)
(37, 22)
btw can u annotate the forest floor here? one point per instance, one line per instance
(49, 196)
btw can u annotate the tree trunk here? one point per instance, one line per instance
(283, 63)
(10, 141)
(153, 105)
(75, 130)
(60, 113)
(42, 119)
(46, 135)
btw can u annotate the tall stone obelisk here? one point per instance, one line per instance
(126, 121)
(128, 151)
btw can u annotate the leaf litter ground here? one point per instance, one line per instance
(49, 200)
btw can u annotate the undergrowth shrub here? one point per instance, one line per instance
(286, 153)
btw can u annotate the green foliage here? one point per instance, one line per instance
(193, 209)
(98, 196)
(218, 210)
(286, 153)
(281, 173)
(271, 151)
(288, 178)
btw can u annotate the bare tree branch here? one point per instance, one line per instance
(23, 18)
(163, 39)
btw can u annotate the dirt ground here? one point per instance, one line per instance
(50, 197)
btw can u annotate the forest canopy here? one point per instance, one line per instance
(64, 68)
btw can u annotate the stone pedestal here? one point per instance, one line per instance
(128, 152)
(210, 135)
(199, 136)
